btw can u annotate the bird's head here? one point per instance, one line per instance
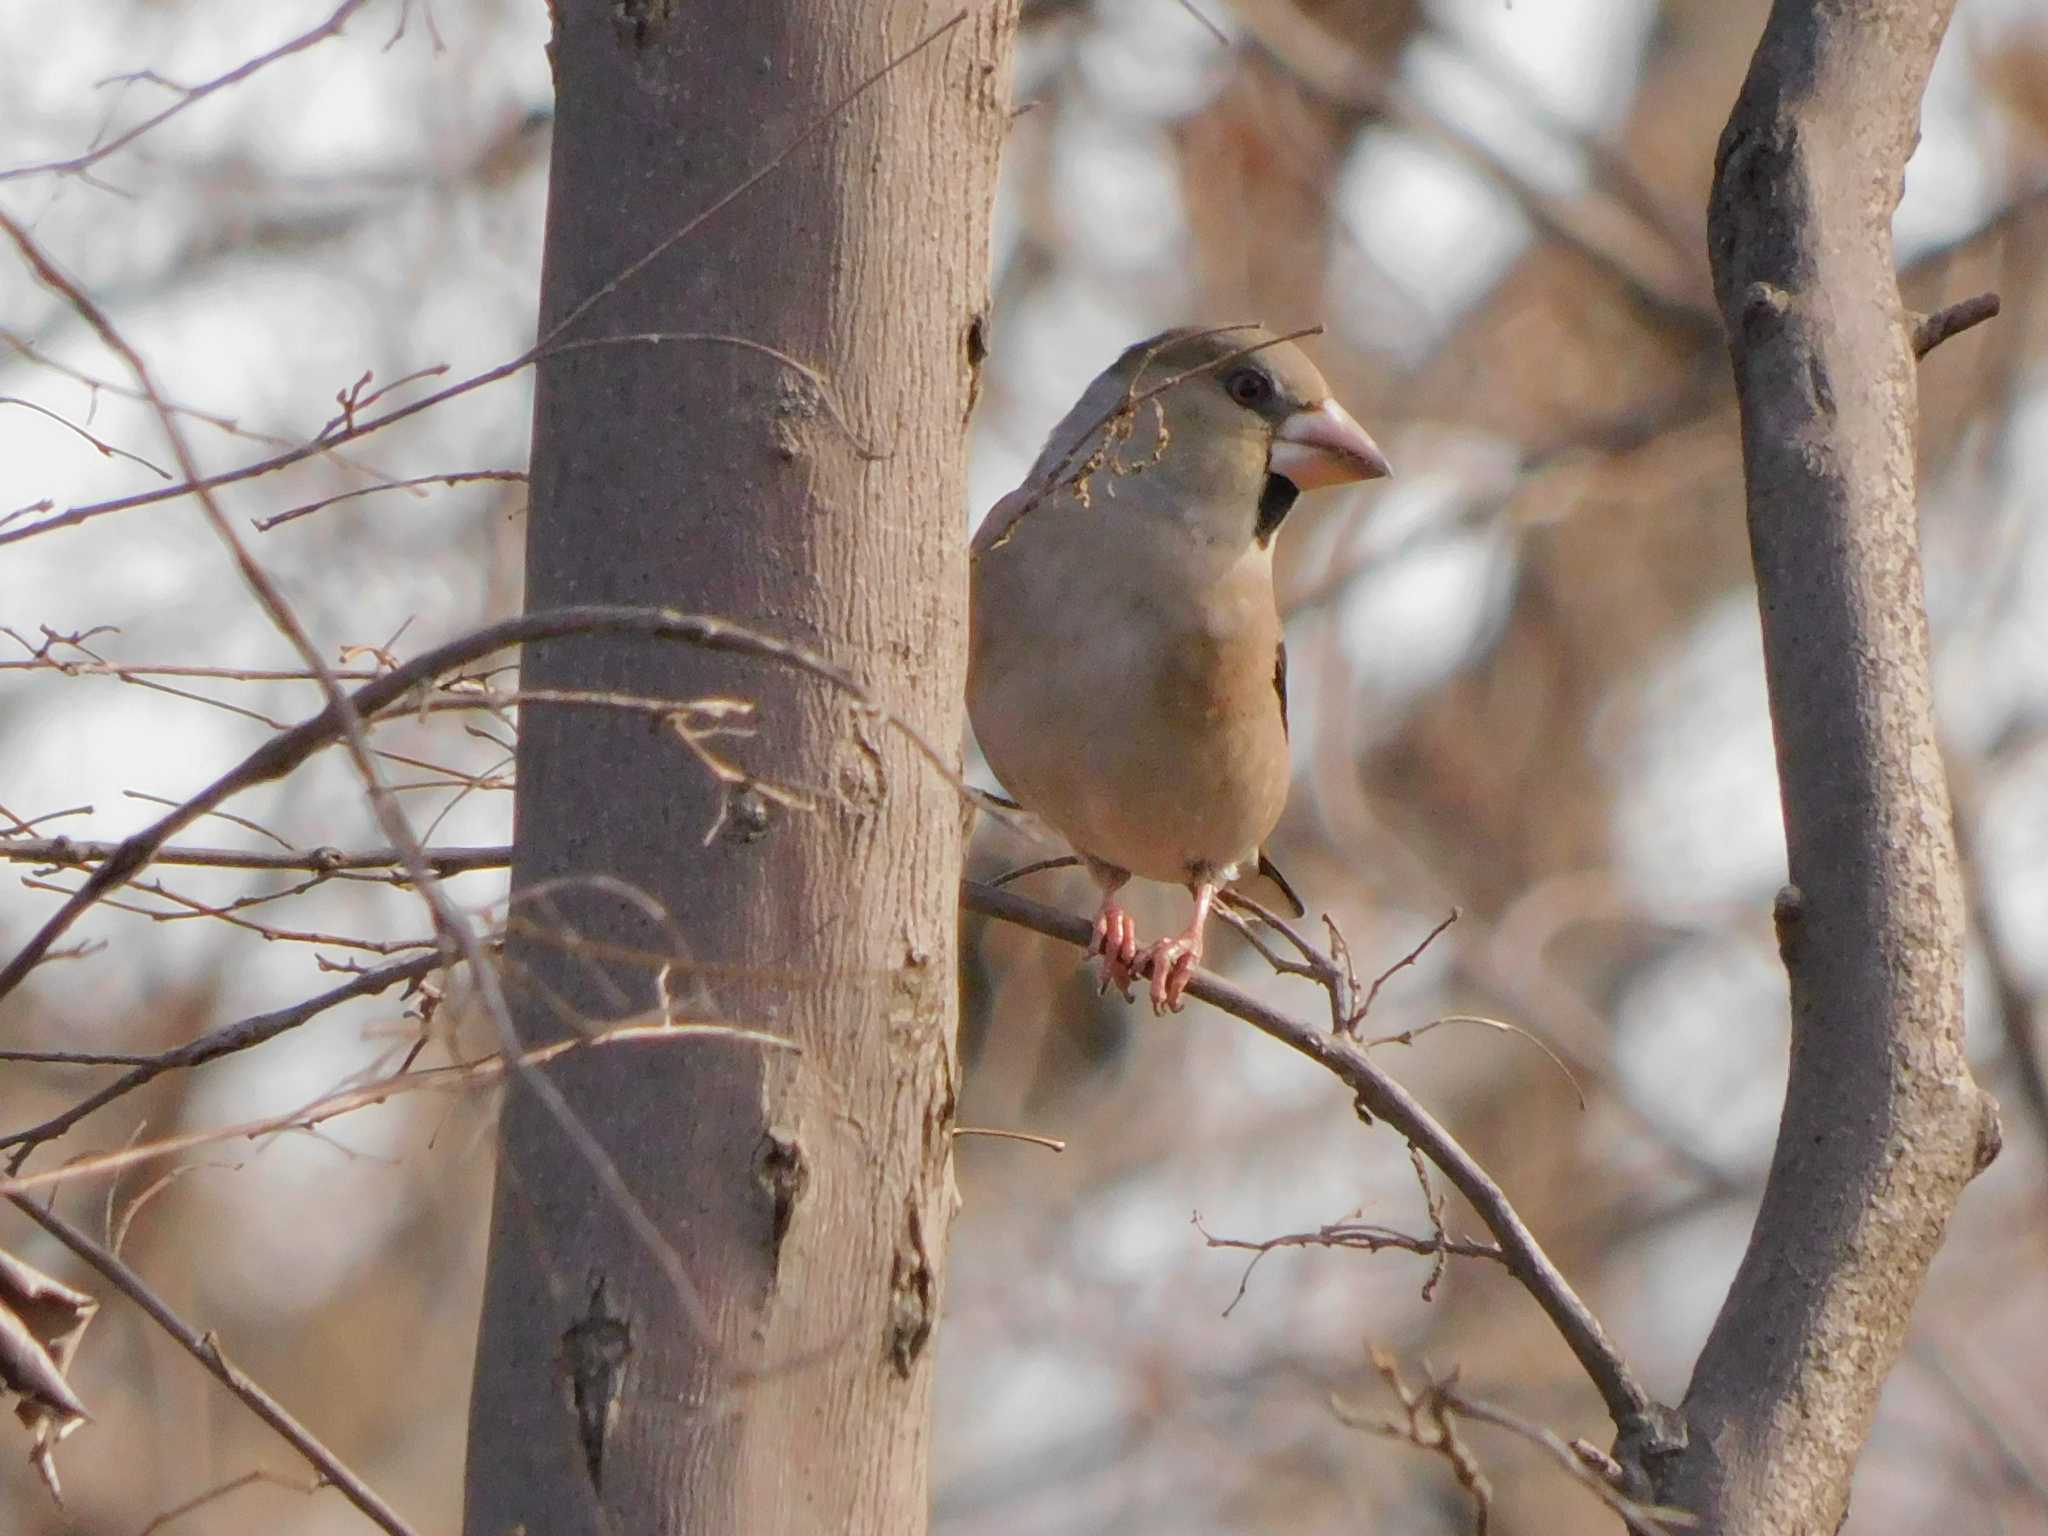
(1223, 429)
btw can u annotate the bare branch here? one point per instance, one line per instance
(285, 752)
(1222, 37)
(450, 478)
(66, 852)
(461, 1075)
(1427, 1423)
(226, 1040)
(117, 669)
(19, 824)
(205, 1348)
(1410, 1036)
(1050, 1143)
(1640, 1422)
(1930, 331)
(182, 908)
(106, 450)
(1366, 1236)
(1036, 867)
(1593, 1469)
(352, 429)
(1406, 960)
(224, 1490)
(1433, 1203)
(187, 96)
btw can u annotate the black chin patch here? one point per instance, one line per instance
(1276, 500)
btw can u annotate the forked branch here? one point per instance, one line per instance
(1642, 1425)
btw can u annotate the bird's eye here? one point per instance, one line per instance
(1249, 387)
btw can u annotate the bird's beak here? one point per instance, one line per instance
(1324, 446)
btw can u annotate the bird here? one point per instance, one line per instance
(1127, 674)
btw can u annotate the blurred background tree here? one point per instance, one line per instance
(1527, 683)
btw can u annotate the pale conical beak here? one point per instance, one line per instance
(1324, 446)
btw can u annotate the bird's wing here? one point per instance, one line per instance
(1280, 680)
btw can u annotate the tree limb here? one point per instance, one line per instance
(286, 751)
(68, 852)
(225, 1041)
(204, 1348)
(1882, 1124)
(187, 96)
(1642, 1424)
(1930, 331)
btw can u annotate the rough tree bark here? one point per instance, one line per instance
(1882, 1124)
(791, 458)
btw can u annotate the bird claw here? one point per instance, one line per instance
(1170, 964)
(1115, 941)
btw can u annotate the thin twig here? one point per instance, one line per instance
(351, 430)
(1930, 331)
(1051, 1143)
(32, 822)
(1222, 37)
(1084, 454)
(96, 386)
(205, 1348)
(1366, 1236)
(187, 95)
(118, 669)
(284, 752)
(1643, 1519)
(1413, 955)
(106, 449)
(1225, 909)
(451, 479)
(232, 1486)
(1038, 867)
(228, 1039)
(1331, 972)
(1636, 1415)
(347, 1101)
(184, 909)
(1428, 1423)
(345, 723)
(67, 852)
(1433, 1203)
(1410, 1036)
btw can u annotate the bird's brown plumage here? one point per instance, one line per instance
(1126, 677)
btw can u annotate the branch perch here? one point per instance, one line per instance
(1642, 1425)
(204, 1348)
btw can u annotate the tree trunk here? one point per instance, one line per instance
(734, 1335)
(1882, 1125)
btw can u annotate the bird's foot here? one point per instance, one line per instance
(1115, 940)
(1170, 965)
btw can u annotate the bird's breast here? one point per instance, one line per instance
(1141, 721)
